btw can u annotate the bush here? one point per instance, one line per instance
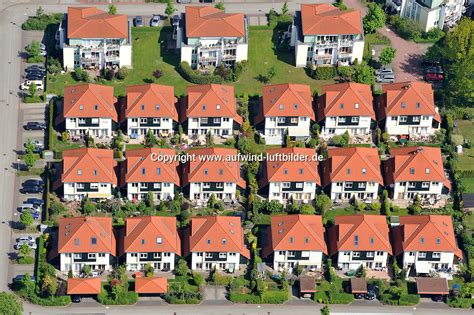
(124, 297)
(460, 302)
(321, 297)
(27, 260)
(405, 28)
(109, 74)
(157, 73)
(121, 74)
(325, 73)
(274, 297)
(341, 298)
(40, 22)
(80, 74)
(195, 77)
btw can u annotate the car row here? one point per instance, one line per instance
(20, 243)
(32, 186)
(384, 75)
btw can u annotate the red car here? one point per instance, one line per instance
(433, 77)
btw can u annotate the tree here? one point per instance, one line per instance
(49, 285)
(361, 273)
(150, 199)
(25, 250)
(149, 270)
(211, 203)
(112, 9)
(26, 219)
(307, 209)
(39, 11)
(374, 19)
(10, 304)
(88, 207)
(220, 6)
(325, 310)
(323, 203)
(387, 55)
(87, 270)
(363, 73)
(273, 206)
(170, 9)
(385, 203)
(415, 207)
(271, 73)
(33, 49)
(284, 9)
(345, 73)
(32, 89)
(122, 73)
(150, 139)
(30, 157)
(182, 268)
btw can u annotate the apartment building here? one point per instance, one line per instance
(322, 34)
(285, 109)
(416, 171)
(150, 107)
(290, 174)
(144, 172)
(210, 37)
(91, 38)
(426, 244)
(89, 109)
(295, 240)
(350, 173)
(360, 240)
(212, 171)
(407, 109)
(88, 172)
(346, 107)
(151, 240)
(216, 242)
(86, 241)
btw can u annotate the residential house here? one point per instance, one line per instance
(296, 240)
(285, 109)
(216, 242)
(89, 109)
(346, 107)
(290, 174)
(416, 171)
(426, 244)
(88, 172)
(151, 240)
(407, 109)
(211, 37)
(150, 107)
(325, 35)
(147, 171)
(210, 109)
(86, 241)
(360, 240)
(91, 38)
(350, 173)
(212, 171)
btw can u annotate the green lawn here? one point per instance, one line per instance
(466, 159)
(148, 57)
(330, 214)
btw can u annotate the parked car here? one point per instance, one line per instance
(26, 238)
(155, 20)
(19, 244)
(138, 21)
(433, 77)
(38, 143)
(185, 1)
(28, 207)
(358, 296)
(76, 299)
(34, 76)
(32, 190)
(175, 21)
(437, 298)
(387, 78)
(20, 277)
(34, 125)
(33, 182)
(33, 68)
(35, 201)
(35, 214)
(26, 85)
(434, 69)
(383, 71)
(371, 292)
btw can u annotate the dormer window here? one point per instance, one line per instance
(412, 170)
(142, 107)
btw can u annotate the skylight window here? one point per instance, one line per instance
(404, 104)
(93, 241)
(372, 241)
(206, 171)
(356, 240)
(218, 107)
(142, 241)
(224, 241)
(79, 172)
(412, 170)
(438, 241)
(142, 107)
(356, 105)
(364, 171)
(296, 106)
(157, 106)
(301, 171)
(285, 171)
(143, 171)
(77, 241)
(427, 170)
(96, 107)
(281, 106)
(81, 107)
(208, 242)
(291, 239)
(159, 240)
(95, 172)
(203, 107)
(422, 240)
(341, 106)
(348, 171)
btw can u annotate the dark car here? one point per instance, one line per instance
(35, 67)
(32, 190)
(371, 292)
(358, 296)
(76, 299)
(33, 125)
(34, 77)
(437, 298)
(33, 182)
(138, 21)
(175, 21)
(20, 277)
(35, 201)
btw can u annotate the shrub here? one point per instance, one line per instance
(80, 74)
(27, 260)
(325, 73)
(274, 297)
(460, 302)
(157, 73)
(195, 77)
(109, 74)
(41, 21)
(405, 28)
(121, 73)
(341, 298)
(54, 65)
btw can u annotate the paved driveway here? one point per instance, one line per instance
(215, 295)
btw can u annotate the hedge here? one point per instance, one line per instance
(408, 299)
(63, 300)
(123, 298)
(51, 126)
(195, 77)
(244, 298)
(341, 298)
(460, 302)
(274, 297)
(325, 73)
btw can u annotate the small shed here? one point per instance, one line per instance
(358, 286)
(307, 286)
(83, 286)
(432, 286)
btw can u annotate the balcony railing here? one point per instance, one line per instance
(325, 43)
(89, 59)
(322, 57)
(112, 58)
(203, 59)
(112, 47)
(229, 57)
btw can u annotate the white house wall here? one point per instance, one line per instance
(134, 263)
(67, 263)
(134, 191)
(347, 261)
(232, 259)
(282, 261)
(276, 192)
(71, 191)
(345, 194)
(393, 127)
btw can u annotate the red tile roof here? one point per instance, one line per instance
(90, 22)
(277, 170)
(207, 171)
(352, 164)
(407, 98)
(142, 166)
(431, 233)
(326, 19)
(211, 100)
(89, 101)
(141, 235)
(305, 231)
(207, 21)
(89, 165)
(151, 100)
(83, 286)
(346, 99)
(296, 99)
(217, 234)
(425, 163)
(372, 232)
(75, 235)
(151, 285)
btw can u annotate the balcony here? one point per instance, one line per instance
(92, 49)
(345, 54)
(323, 57)
(112, 47)
(229, 57)
(347, 42)
(324, 43)
(207, 59)
(89, 59)
(112, 58)
(217, 46)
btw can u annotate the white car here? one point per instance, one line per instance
(32, 245)
(26, 238)
(26, 85)
(384, 71)
(28, 207)
(155, 20)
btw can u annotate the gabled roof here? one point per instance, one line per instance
(86, 235)
(211, 100)
(89, 101)
(83, 285)
(142, 233)
(432, 285)
(89, 165)
(151, 100)
(151, 285)
(220, 167)
(431, 233)
(207, 21)
(326, 19)
(90, 22)
(277, 170)
(297, 232)
(352, 164)
(143, 166)
(407, 98)
(217, 234)
(370, 231)
(415, 164)
(289, 100)
(346, 99)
